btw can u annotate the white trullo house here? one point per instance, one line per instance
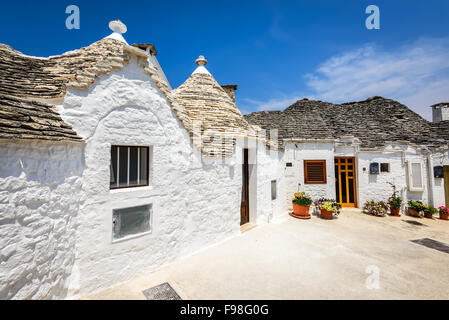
(107, 173)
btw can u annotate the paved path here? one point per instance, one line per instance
(311, 259)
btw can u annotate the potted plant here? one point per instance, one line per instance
(429, 211)
(375, 208)
(395, 202)
(444, 213)
(301, 205)
(328, 208)
(415, 207)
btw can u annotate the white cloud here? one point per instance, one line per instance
(416, 74)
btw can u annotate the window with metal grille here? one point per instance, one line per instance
(315, 171)
(129, 167)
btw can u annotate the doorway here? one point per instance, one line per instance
(345, 182)
(446, 185)
(244, 207)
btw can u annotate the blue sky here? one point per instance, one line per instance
(275, 51)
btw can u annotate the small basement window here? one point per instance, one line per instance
(315, 172)
(131, 221)
(273, 190)
(129, 167)
(384, 167)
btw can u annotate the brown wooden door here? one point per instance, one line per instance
(446, 184)
(345, 181)
(244, 207)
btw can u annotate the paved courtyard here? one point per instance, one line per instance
(311, 259)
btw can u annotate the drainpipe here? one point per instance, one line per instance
(431, 179)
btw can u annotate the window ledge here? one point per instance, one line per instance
(133, 236)
(132, 189)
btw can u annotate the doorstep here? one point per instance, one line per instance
(247, 226)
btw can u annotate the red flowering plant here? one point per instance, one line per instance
(394, 201)
(443, 210)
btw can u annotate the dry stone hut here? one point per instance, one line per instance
(106, 172)
(104, 175)
(351, 151)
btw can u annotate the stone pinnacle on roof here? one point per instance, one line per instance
(201, 62)
(118, 29)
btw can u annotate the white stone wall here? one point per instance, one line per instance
(40, 190)
(195, 204)
(375, 186)
(270, 166)
(296, 153)
(438, 195)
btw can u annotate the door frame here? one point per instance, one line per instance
(446, 185)
(354, 163)
(244, 205)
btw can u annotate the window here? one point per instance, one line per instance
(415, 176)
(315, 171)
(129, 167)
(273, 190)
(131, 221)
(384, 167)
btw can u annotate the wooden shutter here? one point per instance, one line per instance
(315, 172)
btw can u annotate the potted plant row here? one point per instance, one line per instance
(301, 205)
(328, 208)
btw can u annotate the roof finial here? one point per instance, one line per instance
(201, 61)
(118, 26)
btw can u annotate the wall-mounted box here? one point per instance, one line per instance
(438, 172)
(374, 168)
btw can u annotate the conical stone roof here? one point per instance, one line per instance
(212, 111)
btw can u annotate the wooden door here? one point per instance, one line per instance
(345, 181)
(244, 207)
(446, 184)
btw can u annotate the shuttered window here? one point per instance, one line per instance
(415, 176)
(315, 171)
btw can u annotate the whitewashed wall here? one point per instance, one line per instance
(40, 190)
(438, 194)
(294, 176)
(270, 167)
(375, 186)
(195, 204)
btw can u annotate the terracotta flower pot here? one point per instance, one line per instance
(326, 214)
(395, 212)
(428, 215)
(301, 212)
(413, 212)
(444, 216)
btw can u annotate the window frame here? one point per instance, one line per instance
(410, 176)
(134, 235)
(149, 149)
(388, 167)
(306, 180)
(275, 194)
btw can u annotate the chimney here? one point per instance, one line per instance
(230, 90)
(440, 112)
